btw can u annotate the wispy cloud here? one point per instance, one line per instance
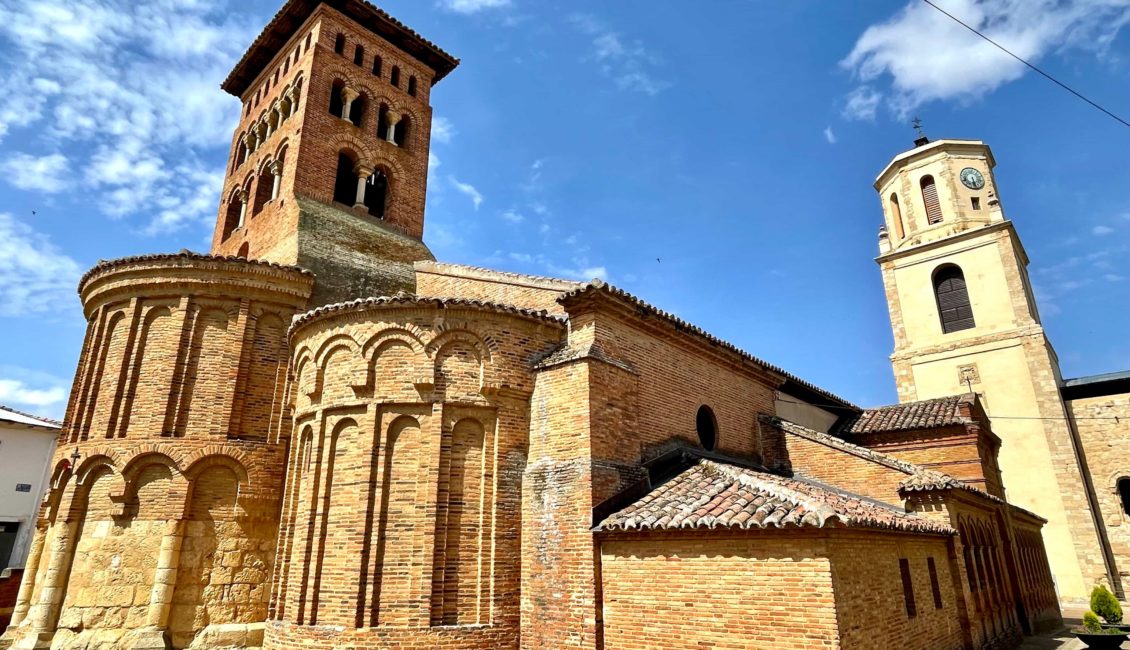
(919, 55)
(829, 134)
(627, 63)
(1102, 230)
(442, 129)
(33, 391)
(46, 174)
(467, 189)
(513, 216)
(131, 99)
(35, 276)
(472, 6)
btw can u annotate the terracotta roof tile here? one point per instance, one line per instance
(712, 494)
(403, 299)
(924, 414)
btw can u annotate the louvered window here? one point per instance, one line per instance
(953, 300)
(930, 200)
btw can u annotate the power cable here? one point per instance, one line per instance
(1045, 74)
(991, 417)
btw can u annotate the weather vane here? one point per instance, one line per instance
(918, 127)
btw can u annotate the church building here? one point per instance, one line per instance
(318, 436)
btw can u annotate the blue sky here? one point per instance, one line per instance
(716, 161)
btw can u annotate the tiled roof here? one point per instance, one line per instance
(291, 16)
(19, 417)
(403, 299)
(102, 265)
(925, 414)
(599, 286)
(714, 495)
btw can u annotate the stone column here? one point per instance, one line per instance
(348, 95)
(27, 587)
(154, 635)
(43, 616)
(292, 95)
(393, 120)
(242, 208)
(363, 174)
(276, 179)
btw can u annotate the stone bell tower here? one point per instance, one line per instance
(965, 320)
(329, 163)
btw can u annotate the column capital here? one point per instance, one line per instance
(275, 167)
(348, 94)
(393, 117)
(241, 194)
(363, 171)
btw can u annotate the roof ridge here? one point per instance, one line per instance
(818, 513)
(405, 298)
(32, 416)
(679, 323)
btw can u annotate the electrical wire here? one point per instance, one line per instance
(1033, 67)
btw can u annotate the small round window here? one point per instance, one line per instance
(707, 427)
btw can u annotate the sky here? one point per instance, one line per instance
(715, 159)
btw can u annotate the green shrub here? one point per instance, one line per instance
(1106, 605)
(1091, 623)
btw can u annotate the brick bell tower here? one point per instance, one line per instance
(329, 163)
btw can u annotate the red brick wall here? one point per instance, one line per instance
(958, 451)
(457, 281)
(843, 470)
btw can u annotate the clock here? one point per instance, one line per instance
(972, 178)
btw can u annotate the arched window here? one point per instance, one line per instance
(403, 128)
(357, 110)
(337, 103)
(896, 216)
(394, 76)
(231, 215)
(382, 122)
(243, 250)
(308, 37)
(954, 308)
(377, 66)
(707, 427)
(376, 194)
(358, 55)
(412, 85)
(286, 66)
(1124, 493)
(263, 186)
(339, 44)
(930, 199)
(345, 185)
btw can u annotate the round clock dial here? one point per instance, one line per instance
(972, 178)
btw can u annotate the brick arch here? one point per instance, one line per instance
(283, 146)
(409, 333)
(459, 333)
(148, 457)
(333, 343)
(341, 72)
(100, 454)
(74, 503)
(347, 142)
(210, 454)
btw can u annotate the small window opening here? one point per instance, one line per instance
(308, 37)
(231, 217)
(1124, 493)
(345, 184)
(394, 76)
(243, 250)
(976, 201)
(337, 103)
(357, 110)
(930, 200)
(400, 137)
(952, 297)
(275, 81)
(896, 217)
(377, 66)
(263, 187)
(412, 86)
(935, 586)
(358, 55)
(907, 588)
(376, 194)
(382, 122)
(339, 44)
(707, 427)
(286, 66)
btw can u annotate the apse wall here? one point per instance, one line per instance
(401, 521)
(161, 518)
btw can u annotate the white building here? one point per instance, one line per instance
(27, 443)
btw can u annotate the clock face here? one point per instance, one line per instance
(972, 178)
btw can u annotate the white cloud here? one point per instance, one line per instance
(829, 134)
(472, 6)
(1113, 277)
(1101, 230)
(442, 129)
(45, 174)
(927, 57)
(128, 90)
(467, 189)
(862, 104)
(628, 64)
(35, 276)
(513, 216)
(13, 391)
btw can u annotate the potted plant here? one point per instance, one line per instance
(1094, 636)
(1105, 605)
